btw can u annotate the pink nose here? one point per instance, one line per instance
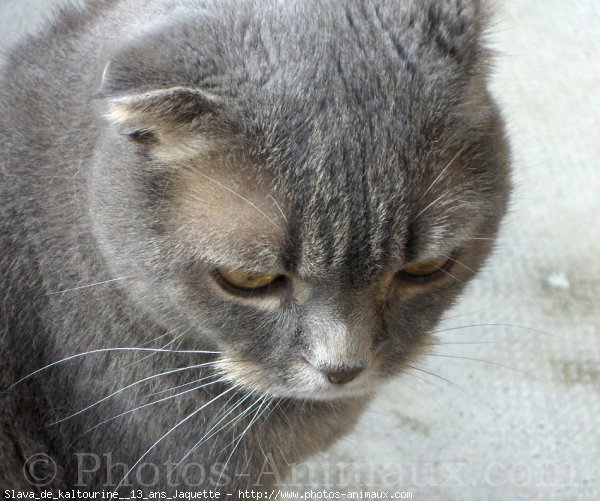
(342, 377)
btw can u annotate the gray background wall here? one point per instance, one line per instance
(526, 423)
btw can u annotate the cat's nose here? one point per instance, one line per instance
(342, 377)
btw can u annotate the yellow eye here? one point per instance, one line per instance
(426, 269)
(244, 281)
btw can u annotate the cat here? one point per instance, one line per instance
(226, 223)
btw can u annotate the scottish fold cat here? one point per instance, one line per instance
(225, 224)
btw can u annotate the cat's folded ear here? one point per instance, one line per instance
(151, 87)
(160, 111)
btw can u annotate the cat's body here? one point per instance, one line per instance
(329, 143)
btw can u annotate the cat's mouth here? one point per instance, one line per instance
(300, 380)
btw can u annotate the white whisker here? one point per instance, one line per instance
(210, 433)
(437, 200)
(106, 350)
(249, 202)
(179, 386)
(184, 420)
(437, 179)
(444, 343)
(146, 343)
(257, 414)
(458, 263)
(154, 403)
(460, 388)
(166, 346)
(451, 275)
(514, 326)
(491, 362)
(104, 282)
(173, 371)
(278, 207)
(473, 238)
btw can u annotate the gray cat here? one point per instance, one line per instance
(225, 224)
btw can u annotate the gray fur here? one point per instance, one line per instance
(367, 124)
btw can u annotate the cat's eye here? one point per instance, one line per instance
(426, 270)
(245, 283)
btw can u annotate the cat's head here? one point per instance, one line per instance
(302, 186)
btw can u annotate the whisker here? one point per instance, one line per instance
(278, 207)
(284, 413)
(491, 362)
(436, 180)
(222, 380)
(451, 275)
(462, 390)
(459, 263)
(209, 433)
(438, 199)
(166, 346)
(256, 405)
(473, 238)
(515, 326)
(222, 373)
(443, 343)
(184, 420)
(107, 350)
(265, 415)
(104, 282)
(249, 202)
(173, 371)
(257, 414)
(153, 394)
(153, 403)
(418, 391)
(333, 410)
(274, 408)
(158, 337)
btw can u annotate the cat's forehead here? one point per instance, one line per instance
(355, 220)
(354, 127)
(331, 220)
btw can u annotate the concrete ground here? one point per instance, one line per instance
(518, 416)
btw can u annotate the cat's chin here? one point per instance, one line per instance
(325, 394)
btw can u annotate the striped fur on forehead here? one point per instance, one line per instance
(347, 228)
(352, 149)
(349, 210)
